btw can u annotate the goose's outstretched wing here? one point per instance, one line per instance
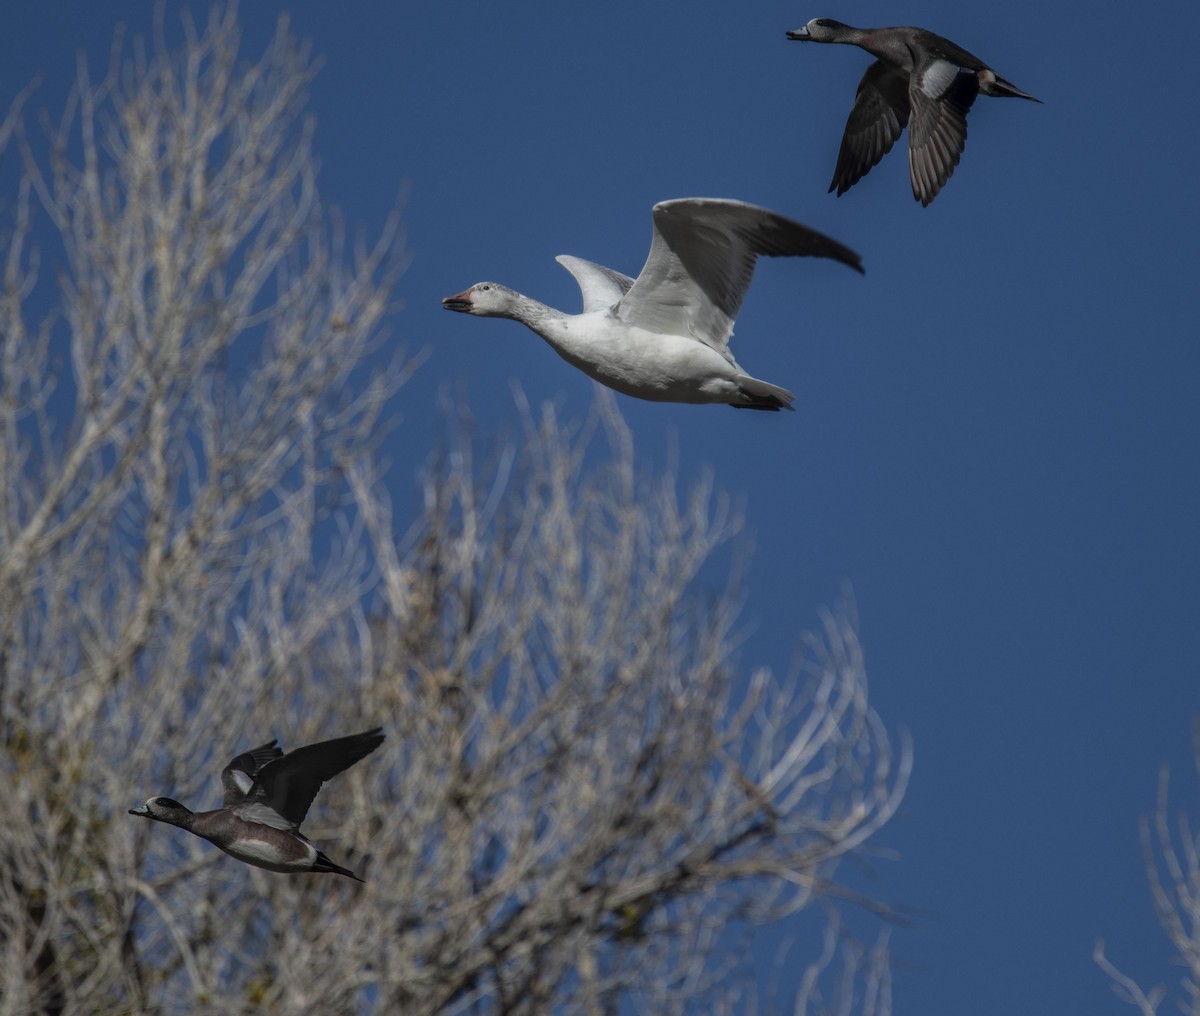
(702, 259)
(601, 287)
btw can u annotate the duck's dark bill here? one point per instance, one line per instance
(460, 301)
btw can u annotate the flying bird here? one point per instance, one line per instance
(267, 795)
(920, 80)
(664, 336)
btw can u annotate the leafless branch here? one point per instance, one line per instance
(584, 788)
(1172, 853)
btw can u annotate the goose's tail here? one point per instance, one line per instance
(755, 394)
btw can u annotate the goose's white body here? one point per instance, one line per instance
(636, 361)
(665, 335)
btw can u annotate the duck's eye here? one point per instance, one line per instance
(166, 802)
(485, 288)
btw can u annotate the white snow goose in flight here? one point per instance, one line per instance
(664, 336)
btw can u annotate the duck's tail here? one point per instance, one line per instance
(755, 394)
(322, 863)
(990, 83)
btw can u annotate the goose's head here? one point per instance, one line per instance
(818, 30)
(164, 809)
(485, 299)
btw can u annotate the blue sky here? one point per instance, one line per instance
(996, 435)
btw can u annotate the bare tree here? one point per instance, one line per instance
(1172, 852)
(582, 792)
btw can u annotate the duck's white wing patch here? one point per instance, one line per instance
(601, 287)
(263, 815)
(241, 781)
(937, 77)
(937, 132)
(238, 777)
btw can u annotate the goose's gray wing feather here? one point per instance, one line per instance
(601, 287)
(702, 259)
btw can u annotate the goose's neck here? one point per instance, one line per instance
(536, 315)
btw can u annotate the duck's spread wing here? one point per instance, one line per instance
(601, 287)
(877, 118)
(262, 814)
(288, 785)
(238, 777)
(701, 262)
(938, 47)
(941, 94)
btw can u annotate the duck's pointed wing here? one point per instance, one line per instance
(876, 121)
(701, 261)
(238, 777)
(288, 785)
(941, 95)
(601, 287)
(263, 814)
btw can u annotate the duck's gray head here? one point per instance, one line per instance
(164, 809)
(485, 299)
(818, 30)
